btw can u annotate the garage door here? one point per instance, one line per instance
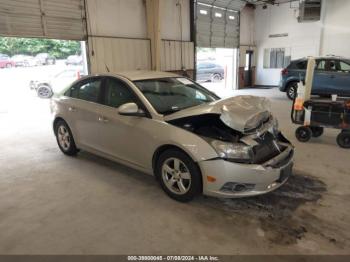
(60, 19)
(217, 23)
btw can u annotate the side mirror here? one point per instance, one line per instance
(44, 91)
(130, 109)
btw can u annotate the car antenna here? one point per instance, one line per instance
(107, 68)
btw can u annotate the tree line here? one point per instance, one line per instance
(32, 46)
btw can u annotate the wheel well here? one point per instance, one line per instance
(291, 82)
(44, 84)
(163, 148)
(55, 123)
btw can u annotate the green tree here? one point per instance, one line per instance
(32, 46)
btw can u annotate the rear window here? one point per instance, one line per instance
(301, 65)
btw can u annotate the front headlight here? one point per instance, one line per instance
(233, 151)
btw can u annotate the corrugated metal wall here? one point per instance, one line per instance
(119, 54)
(63, 19)
(172, 59)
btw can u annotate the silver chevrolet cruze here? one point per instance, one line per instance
(167, 125)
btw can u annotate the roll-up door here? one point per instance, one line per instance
(217, 23)
(59, 19)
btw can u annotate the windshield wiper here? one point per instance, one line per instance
(168, 112)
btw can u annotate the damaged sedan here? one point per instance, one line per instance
(167, 125)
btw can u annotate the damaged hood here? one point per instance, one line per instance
(241, 113)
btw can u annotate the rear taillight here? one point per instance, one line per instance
(284, 72)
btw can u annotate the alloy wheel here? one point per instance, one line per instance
(63, 137)
(176, 176)
(291, 92)
(44, 92)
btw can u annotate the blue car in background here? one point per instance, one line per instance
(332, 76)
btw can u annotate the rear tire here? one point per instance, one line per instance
(65, 138)
(216, 78)
(303, 134)
(44, 91)
(291, 90)
(181, 181)
(343, 139)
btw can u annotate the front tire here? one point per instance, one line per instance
(65, 139)
(178, 175)
(291, 90)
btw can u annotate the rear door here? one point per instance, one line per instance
(296, 70)
(84, 112)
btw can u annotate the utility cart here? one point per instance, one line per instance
(316, 114)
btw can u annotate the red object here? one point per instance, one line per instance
(78, 75)
(284, 72)
(6, 62)
(348, 104)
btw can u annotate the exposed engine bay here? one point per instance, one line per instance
(208, 125)
(263, 142)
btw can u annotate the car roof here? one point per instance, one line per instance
(322, 57)
(144, 75)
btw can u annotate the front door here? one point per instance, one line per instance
(342, 79)
(124, 137)
(323, 77)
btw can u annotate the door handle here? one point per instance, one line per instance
(72, 109)
(332, 76)
(103, 119)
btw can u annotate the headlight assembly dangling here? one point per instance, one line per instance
(275, 127)
(236, 152)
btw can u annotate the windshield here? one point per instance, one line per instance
(169, 95)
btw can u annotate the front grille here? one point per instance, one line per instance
(285, 173)
(284, 161)
(266, 148)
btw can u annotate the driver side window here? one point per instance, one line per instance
(117, 93)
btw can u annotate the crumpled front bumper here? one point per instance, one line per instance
(253, 179)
